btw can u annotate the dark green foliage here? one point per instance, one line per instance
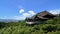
(51, 26)
(2, 24)
(53, 21)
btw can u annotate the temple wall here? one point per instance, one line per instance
(36, 22)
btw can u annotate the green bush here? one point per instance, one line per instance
(51, 26)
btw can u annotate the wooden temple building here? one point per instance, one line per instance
(39, 17)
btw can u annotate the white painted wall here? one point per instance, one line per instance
(32, 22)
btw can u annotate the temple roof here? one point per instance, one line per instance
(41, 15)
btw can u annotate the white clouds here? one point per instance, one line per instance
(32, 12)
(21, 10)
(24, 14)
(29, 13)
(55, 11)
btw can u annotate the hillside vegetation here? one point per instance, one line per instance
(51, 26)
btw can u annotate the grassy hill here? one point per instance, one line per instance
(51, 26)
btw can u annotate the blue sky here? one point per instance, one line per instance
(19, 9)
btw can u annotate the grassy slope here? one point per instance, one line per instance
(51, 26)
